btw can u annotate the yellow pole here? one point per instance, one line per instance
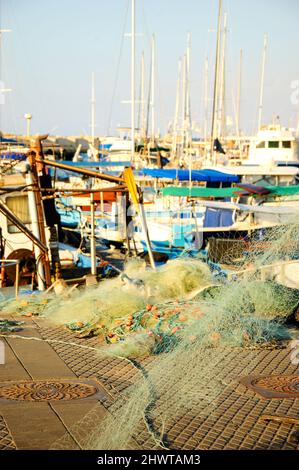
(133, 190)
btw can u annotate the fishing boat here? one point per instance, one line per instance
(223, 213)
(111, 226)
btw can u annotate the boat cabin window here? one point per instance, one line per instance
(261, 145)
(20, 207)
(273, 144)
(286, 144)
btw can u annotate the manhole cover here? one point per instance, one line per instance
(275, 386)
(47, 390)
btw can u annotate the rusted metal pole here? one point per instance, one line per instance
(110, 189)
(36, 153)
(92, 237)
(94, 174)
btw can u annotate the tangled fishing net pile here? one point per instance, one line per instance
(143, 312)
(188, 321)
(134, 304)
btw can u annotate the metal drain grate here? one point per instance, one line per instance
(275, 386)
(47, 390)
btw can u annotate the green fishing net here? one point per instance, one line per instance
(187, 319)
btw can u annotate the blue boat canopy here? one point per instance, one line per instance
(212, 176)
(13, 156)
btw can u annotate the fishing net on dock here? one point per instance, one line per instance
(178, 328)
(194, 341)
(101, 309)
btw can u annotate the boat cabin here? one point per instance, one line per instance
(272, 144)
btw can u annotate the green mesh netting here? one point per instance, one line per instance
(187, 323)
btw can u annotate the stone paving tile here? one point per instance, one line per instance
(33, 425)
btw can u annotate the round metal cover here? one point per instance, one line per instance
(46, 391)
(275, 386)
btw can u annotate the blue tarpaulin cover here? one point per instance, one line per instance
(218, 217)
(196, 175)
(13, 156)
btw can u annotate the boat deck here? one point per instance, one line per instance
(233, 424)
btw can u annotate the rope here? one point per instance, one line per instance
(158, 439)
(68, 343)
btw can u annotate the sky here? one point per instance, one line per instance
(54, 46)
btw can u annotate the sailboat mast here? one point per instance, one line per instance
(148, 106)
(92, 109)
(206, 85)
(153, 89)
(239, 92)
(133, 81)
(221, 115)
(223, 98)
(187, 103)
(262, 82)
(176, 114)
(188, 111)
(184, 103)
(142, 94)
(141, 99)
(215, 95)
